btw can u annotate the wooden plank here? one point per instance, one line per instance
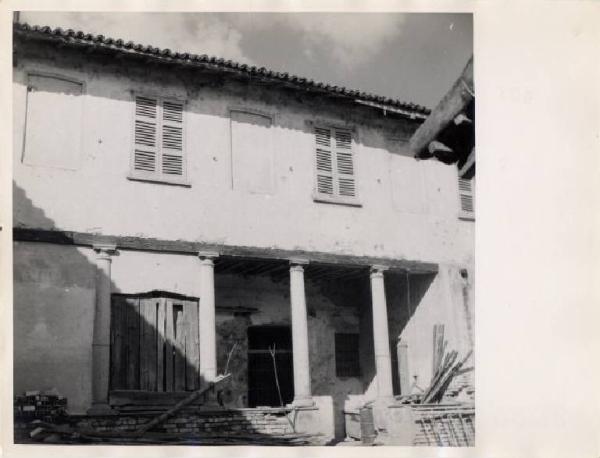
(232, 251)
(118, 347)
(192, 349)
(169, 345)
(160, 344)
(133, 343)
(151, 343)
(179, 366)
(148, 344)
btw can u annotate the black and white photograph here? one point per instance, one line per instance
(230, 230)
(258, 229)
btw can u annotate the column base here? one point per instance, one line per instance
(306, 402)
(101, 409)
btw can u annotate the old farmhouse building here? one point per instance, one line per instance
(178, 216)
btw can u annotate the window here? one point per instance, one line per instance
(347, 361)
(252, 152)
(467, 199)
(335, 171)
(53, 123)
(158, 152)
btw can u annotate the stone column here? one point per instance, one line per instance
(101, 332)
(403, 374)
(302, 394)
(383, 362)
(206, 317)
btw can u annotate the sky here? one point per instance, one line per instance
(413, 57)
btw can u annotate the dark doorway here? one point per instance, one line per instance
(262, 386)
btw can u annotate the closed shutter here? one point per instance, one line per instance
(344, 163)
(172, 138)
(334, 163)
(325, 183)
(465, 190)
(146, 148)
(158, 138)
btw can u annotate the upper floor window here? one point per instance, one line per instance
(335, 170)
(252, 152)
(158, 150)
(467, 198)
(54, 115)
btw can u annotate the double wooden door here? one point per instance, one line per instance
(154, 344)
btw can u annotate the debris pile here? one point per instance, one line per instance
(47, 406)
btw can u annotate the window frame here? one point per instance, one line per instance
(29, 72)
(272, 116)
(158, 177)
(352, 201)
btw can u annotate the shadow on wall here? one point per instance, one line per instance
(404, 294)
(54, 302)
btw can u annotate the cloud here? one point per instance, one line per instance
(345, 40)
(350, 39)
(184, 32)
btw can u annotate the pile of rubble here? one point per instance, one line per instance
(47, 406)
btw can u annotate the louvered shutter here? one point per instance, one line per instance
(324, 158)
(146, 148)
(172, 138)
(465, 190)
(344, 163)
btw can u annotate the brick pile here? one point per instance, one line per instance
(268, 422)
(38, 405)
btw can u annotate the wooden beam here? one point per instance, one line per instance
(453, 103)
(470, 162)
(232, 252)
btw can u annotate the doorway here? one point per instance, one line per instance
(264, 389)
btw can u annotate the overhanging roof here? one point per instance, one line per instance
(87, 41)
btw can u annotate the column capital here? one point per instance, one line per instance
(298, 262)
(208, 255)
(104, 250)
(377, 270)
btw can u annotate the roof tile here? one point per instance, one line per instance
(118, 44)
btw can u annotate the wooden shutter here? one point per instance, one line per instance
(335, 162)
(465, 190)
(324, 156)
(146, 147)
(172, 138)
(344, 163)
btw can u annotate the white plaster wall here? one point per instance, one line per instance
(409, 208)
(442, 304)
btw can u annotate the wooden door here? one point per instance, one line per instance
(154, 344)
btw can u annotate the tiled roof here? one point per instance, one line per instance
(78, 38)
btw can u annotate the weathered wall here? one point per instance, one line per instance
(434, 300)
(53, 320)
(54, 307)
(328, 312)
(402, 199)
